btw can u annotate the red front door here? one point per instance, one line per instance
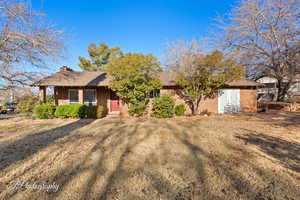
(114, 102)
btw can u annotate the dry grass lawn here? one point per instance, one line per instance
(219, 157)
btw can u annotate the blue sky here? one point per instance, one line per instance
(143, 26)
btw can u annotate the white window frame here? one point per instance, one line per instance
(69, 90)
(88, 103)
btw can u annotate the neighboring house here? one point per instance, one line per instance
(270, 89)
(91, 88)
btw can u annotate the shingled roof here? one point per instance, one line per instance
(71, 78)
(243, 83)
(98, 78)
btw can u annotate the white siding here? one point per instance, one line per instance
(266, 80)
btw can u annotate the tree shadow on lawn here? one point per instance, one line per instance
(278, 118)
(228, 167)
(120, 140)
(66, 172)
(216, 162)
(121, 143)
(198, 187)
(29, 145)
(199, 159)
(288, 153)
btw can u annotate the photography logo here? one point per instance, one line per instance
(2, 187)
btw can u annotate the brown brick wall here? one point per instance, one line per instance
(209, 105)
(248, 100)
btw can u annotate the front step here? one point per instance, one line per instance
(114, 114)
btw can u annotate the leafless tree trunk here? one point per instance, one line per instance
(26, 42)
(183, 57)
(264, 35)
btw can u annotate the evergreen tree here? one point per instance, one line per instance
(99, 56)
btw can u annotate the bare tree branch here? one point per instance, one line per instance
(265, 36)
(25, 41)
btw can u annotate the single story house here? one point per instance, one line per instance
(91, 88)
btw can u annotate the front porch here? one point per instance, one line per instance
(91, 96)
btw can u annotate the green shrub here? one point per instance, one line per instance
(50, 98)
(78, 110)
(26, 104)
(101, 112)
(96, 112)
(91, 112)
(45, 111)
(71, 111)
(137, 109)
(180, 110)
(62, 111)
(163, 107)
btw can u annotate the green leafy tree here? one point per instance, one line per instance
(133, 77)
(200, 76)
(99, 56)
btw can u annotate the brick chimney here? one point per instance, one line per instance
(65, 69)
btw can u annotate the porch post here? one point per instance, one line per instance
(55, 96)
(42, 94)
(80, 96)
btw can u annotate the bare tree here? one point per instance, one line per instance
(264, 35)
(26, 41)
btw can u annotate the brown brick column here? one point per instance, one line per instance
(42, 94)
(80, 96)
(56, 96)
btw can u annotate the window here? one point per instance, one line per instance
(73, 96)
(90, 97)
(154, 93)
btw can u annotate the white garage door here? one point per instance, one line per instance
(229, 101)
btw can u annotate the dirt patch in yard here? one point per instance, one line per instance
(216, 157)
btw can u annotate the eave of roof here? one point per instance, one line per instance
(71, 78)
(244, 83)
(98, 78)
(92, 78)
